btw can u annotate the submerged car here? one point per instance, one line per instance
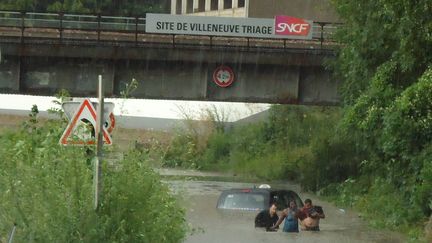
(256, 199)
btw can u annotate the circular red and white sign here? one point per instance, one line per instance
(223, 76)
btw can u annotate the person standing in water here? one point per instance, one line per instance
(291, 219)
(310, 216)
(267, 218)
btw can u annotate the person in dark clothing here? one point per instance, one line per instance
(267, 218)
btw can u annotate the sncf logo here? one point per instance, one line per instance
(286, 25)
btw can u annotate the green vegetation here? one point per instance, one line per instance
(386, 65)
(279, 148)
(104, 7)
(47, 190)
(375, 153)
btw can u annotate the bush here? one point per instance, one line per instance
(217, 152)
(47, 189)
(182, 152)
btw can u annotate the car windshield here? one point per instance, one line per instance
(243, 201)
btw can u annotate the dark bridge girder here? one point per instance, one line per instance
(294, 76)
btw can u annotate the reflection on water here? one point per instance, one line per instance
(233, 226)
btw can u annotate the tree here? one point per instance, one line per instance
(385, 63)
(376, 32)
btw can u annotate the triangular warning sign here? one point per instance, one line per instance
(81, 129)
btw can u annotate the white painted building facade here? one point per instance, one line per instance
(317, 10)
(223, 8)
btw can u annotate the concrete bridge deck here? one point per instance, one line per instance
(39, 58)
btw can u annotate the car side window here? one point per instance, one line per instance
(283, 198)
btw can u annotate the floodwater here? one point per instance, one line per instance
(212, 225)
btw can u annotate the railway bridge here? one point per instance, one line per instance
(42, 53)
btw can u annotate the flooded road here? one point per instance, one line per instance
(212, 225)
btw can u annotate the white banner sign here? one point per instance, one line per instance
(281, 27)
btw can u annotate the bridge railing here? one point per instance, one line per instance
(96, 24)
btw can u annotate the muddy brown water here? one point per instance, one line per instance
(212, 225)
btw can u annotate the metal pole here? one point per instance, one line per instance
(99, 144)
(12, 234)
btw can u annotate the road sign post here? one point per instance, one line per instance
(84, 113)
(99, 144)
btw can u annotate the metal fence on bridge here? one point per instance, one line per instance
(131, 30)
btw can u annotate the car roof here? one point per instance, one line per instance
(257, 190)
(271, 195)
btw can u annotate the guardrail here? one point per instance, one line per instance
(132, 26)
